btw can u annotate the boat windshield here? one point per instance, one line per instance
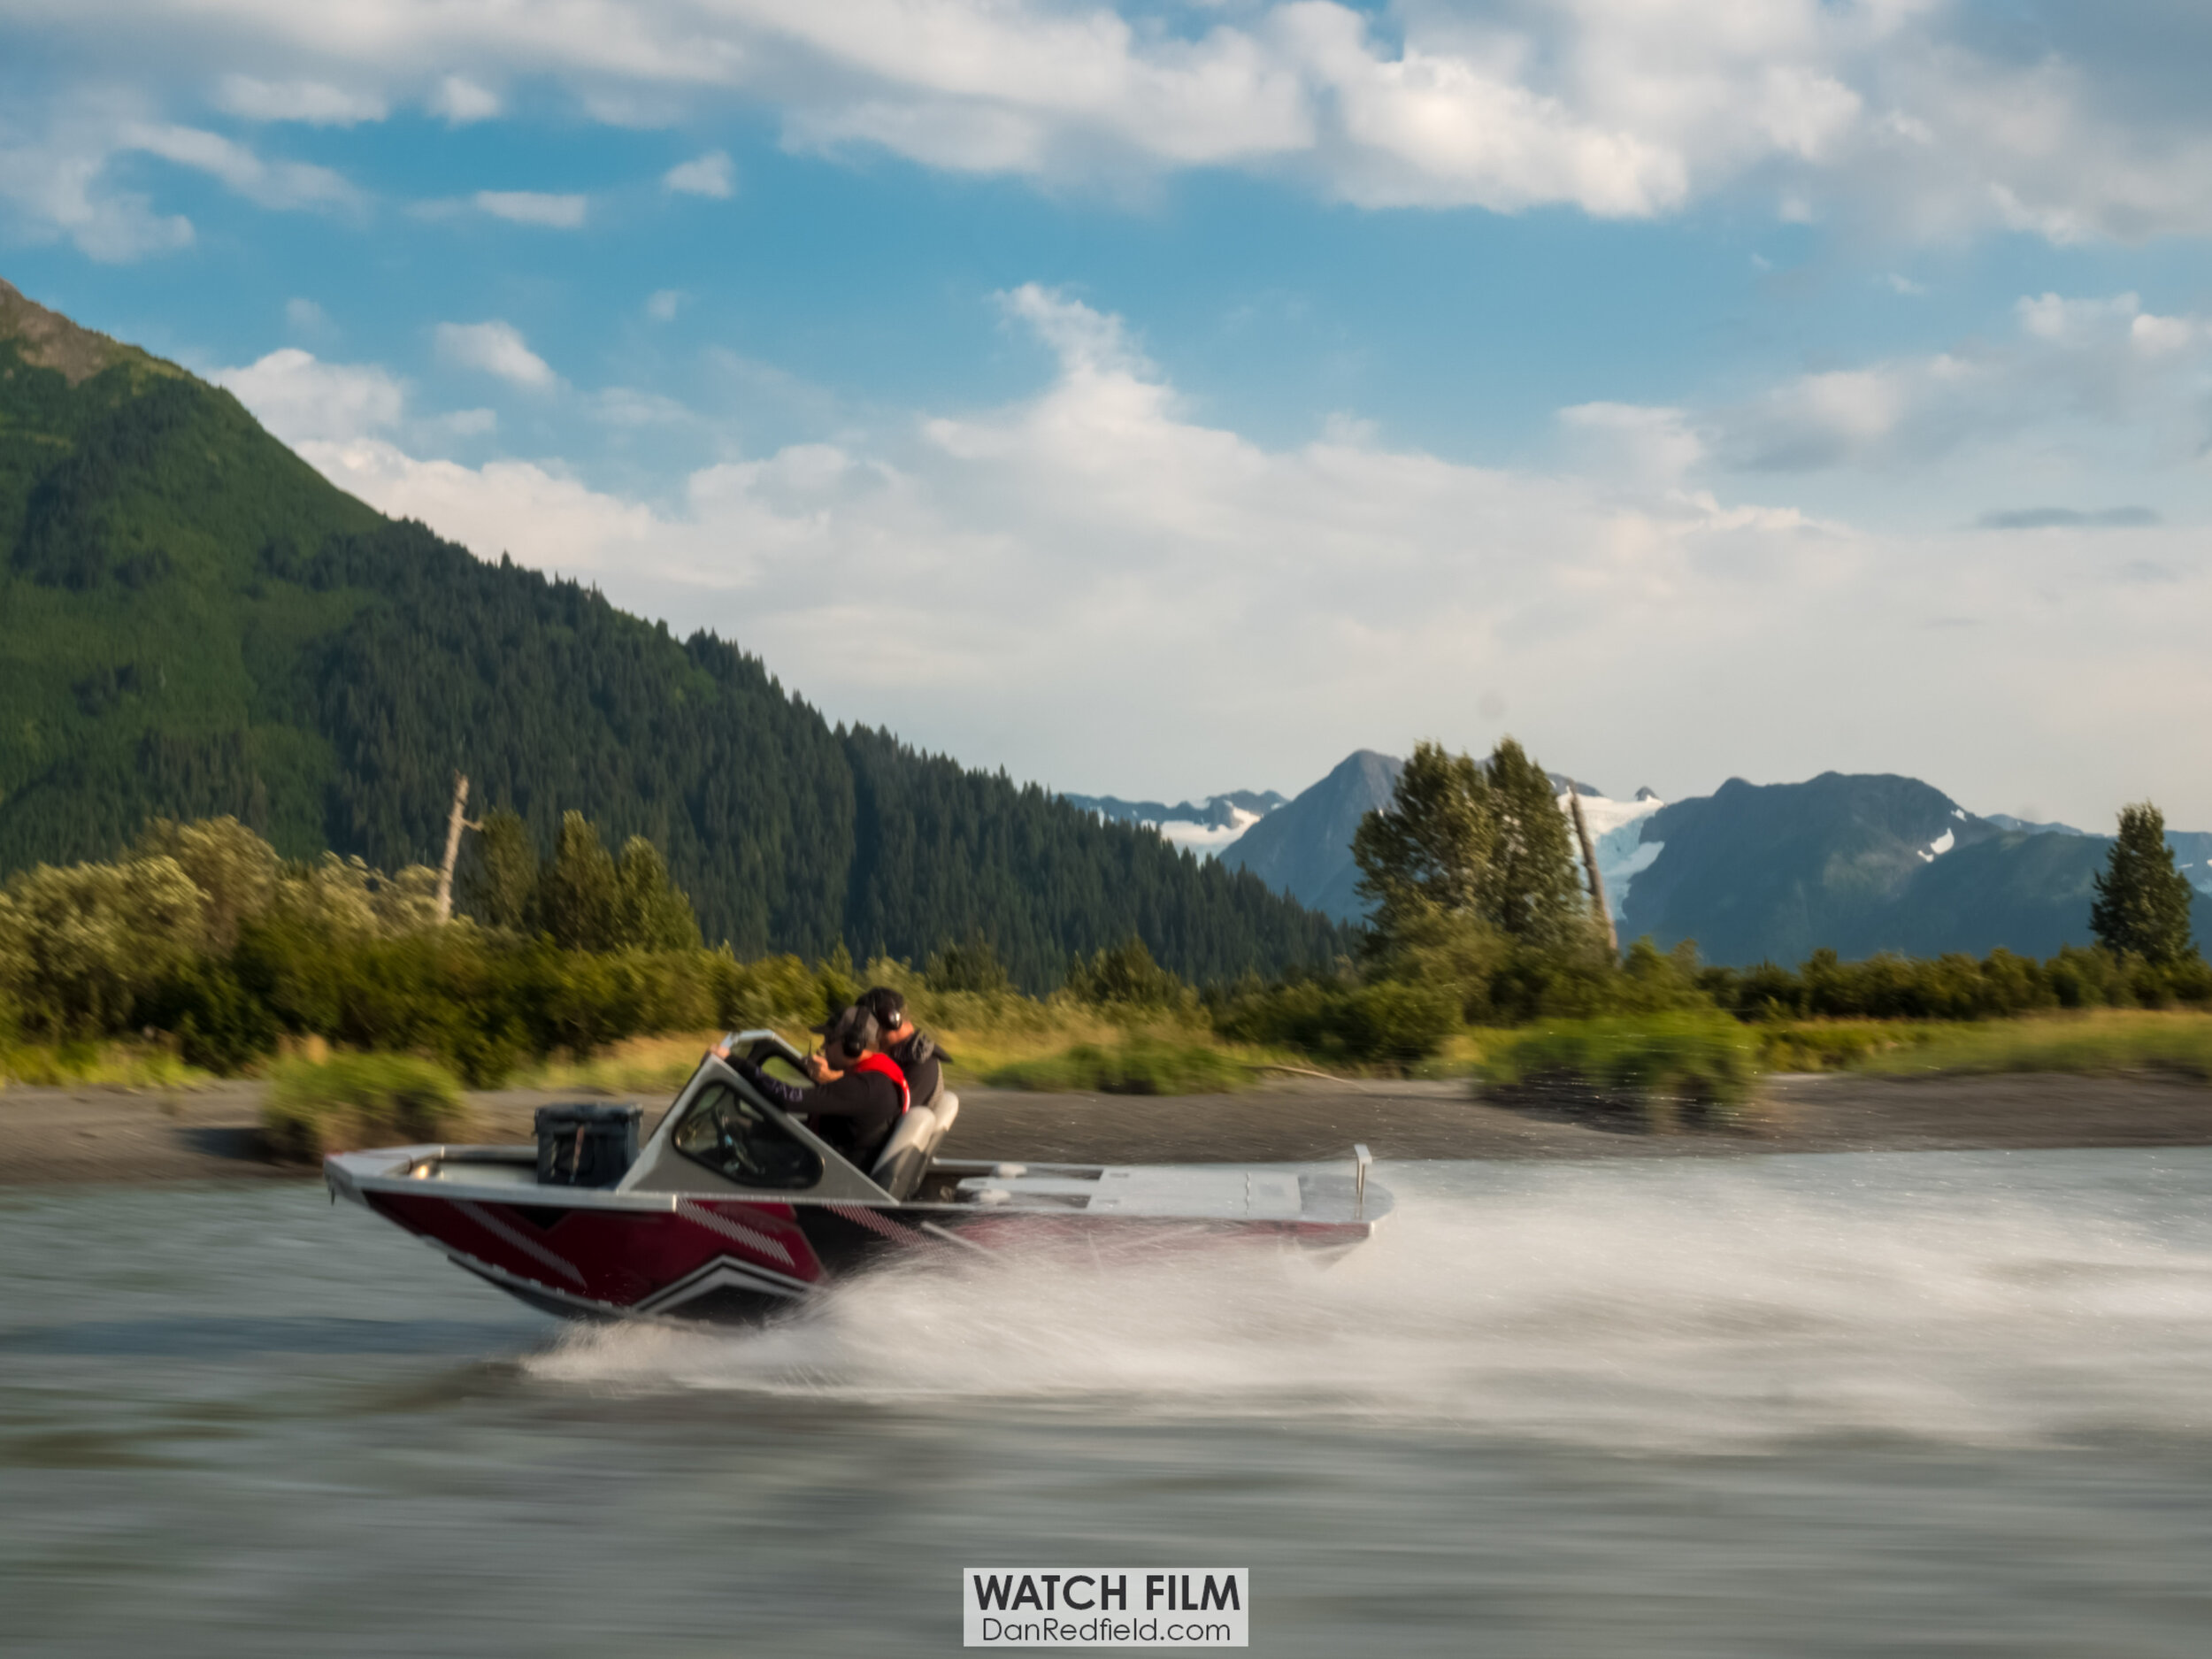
(741, 1143)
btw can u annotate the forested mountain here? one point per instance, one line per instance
(194, 622)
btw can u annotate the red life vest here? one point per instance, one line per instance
(883, 1065)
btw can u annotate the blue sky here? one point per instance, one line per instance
(1170, 401)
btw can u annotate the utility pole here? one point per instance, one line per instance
(1589, 865)
(454, 825)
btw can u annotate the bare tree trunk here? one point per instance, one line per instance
(1590, 867)
(454, 825)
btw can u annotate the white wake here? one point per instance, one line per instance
(1690, 1304)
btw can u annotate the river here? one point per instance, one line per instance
(1822, 1405)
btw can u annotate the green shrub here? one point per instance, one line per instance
(1835, 1046)
(1955, 987)
(1126, 977)
(360, 1100)
(2179, 1044)
(217, 1024)
(1387, 1022)
(1141, 1065)
(1704, 1061)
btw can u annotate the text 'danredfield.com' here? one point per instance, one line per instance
(1106, 1607)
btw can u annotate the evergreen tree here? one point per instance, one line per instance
(578, 891)
(1126, 974)
(1426, 855)
(2142, 903)
(1463, 842)
(973, 966)
(500, 885)
(654, 914)
(1533, 887)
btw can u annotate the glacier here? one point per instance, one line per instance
(1617, 835)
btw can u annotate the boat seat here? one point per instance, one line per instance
(899, 1167)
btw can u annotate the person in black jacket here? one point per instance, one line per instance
(913, 1053)
(861, 1104)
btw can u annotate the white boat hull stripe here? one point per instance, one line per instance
(521, 1240)
(878, 1223)
(737, 1232)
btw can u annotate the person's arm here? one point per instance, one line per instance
(850, 1096)
(790, 1096)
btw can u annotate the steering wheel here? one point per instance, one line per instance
(735, 1151)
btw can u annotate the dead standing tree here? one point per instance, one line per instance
(1590, 867)
(455, 822)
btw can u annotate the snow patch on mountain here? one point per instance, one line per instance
(1204, 828)
(1206, 840)
(1941, 845)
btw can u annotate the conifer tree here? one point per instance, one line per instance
(578, 891)
(500, 883)
(2142, 903)
(1531, 887)
(654, 912)
(1426, 855)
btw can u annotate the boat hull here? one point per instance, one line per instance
(608, 1256)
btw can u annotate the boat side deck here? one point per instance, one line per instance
(951, 1188)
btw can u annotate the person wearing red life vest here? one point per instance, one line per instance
(862, 1098)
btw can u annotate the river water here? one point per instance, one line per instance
(1841, 1405)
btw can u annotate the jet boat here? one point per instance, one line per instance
(734, 1208)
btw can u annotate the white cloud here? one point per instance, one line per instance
(62, 183)
(317, 103)
(495, 348)
(1651, 449)
(664, 305)
(2136, 374)
(532, 207)
(278, 184)
(467, 423)
(1138, 582)
(711, 174)
(628, 406)
(461, 100)
(304, 316)
(303, 400)
(1911, 112)
(60, 189)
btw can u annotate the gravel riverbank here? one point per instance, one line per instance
(102, 1135)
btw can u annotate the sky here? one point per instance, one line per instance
(1171, 399)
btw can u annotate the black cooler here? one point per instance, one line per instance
(586, 1144)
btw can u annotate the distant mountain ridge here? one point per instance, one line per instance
(1218, 811)
(1203, 828)
(1857, 864)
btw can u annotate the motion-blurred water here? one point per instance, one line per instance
(1932, 1403)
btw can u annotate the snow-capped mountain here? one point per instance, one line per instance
(1753, 872)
